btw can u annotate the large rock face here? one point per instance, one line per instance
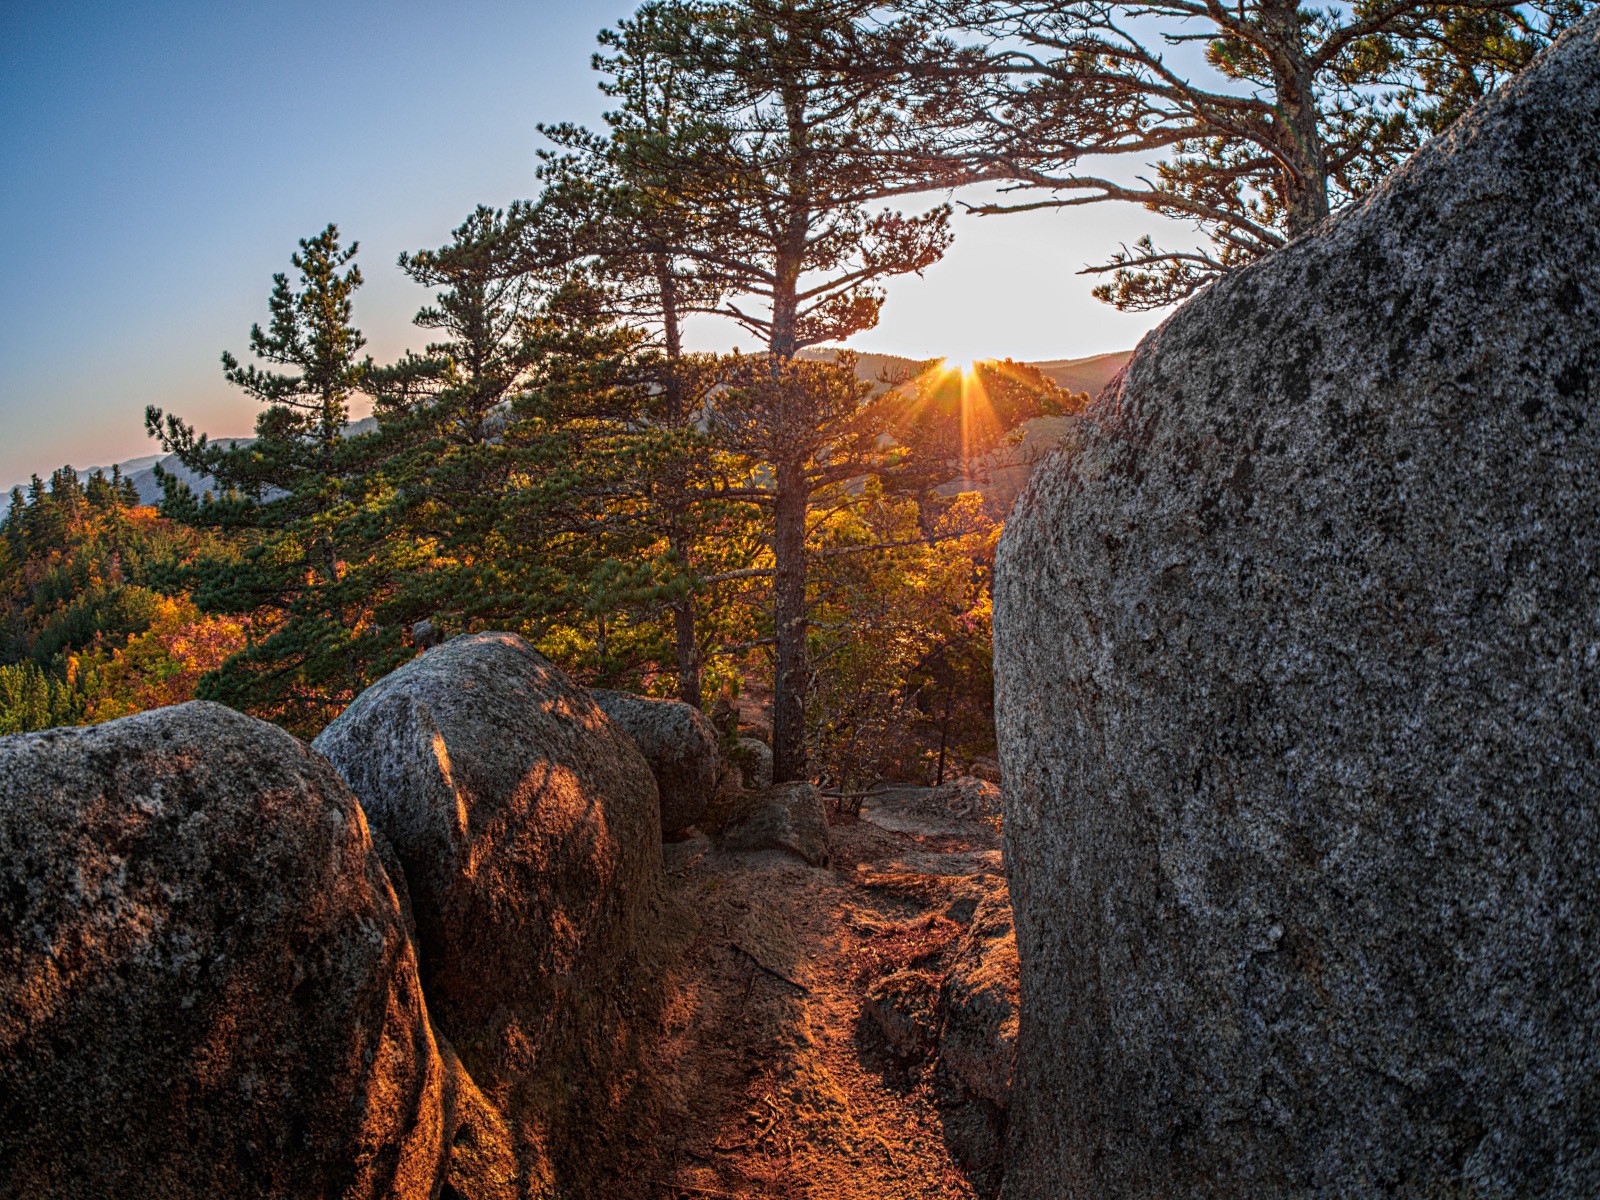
(526, 823)
(679, 743)
(1298, 670)
(206, 987)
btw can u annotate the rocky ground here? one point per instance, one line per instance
(788, 1068)
(445, 952)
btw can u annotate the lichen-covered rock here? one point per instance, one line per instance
(986, 769)
(679, 743)
(964, 1014)
(790, 818)
(206, 987)
(977, 1012)
(1298, 684)
(526, 822)
(755, 761)
(951, 1018)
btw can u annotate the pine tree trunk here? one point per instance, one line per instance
(667, 283)
(687, 646)
(688, 652)
(789, 623)
(1305, 175)
(791, 498)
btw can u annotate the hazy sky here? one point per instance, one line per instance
(158, 162)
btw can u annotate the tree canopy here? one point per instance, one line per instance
(554, 461)
(1251, 121)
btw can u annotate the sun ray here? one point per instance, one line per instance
(976, 411)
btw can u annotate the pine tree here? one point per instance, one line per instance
(310, 330)
(495, 490)
(291, 462)
(99, 491)
(1294, 112)
(781, 156)
(291, 486)
(447, 452)
(127, 494)
(602, 206)
(30, 700)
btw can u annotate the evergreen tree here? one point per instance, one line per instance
(493, 491)
(291, 462)
(449, 450)
(486, 302)
(602, 206)
(47, 516)
(30, 700)
(1294, 111)
(781, 155)
(291, 486)
(100, 492)
(127, 494)
(309, 330)
(15, 527)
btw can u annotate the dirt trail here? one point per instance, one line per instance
(775, 1083)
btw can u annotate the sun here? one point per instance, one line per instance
(963, 366)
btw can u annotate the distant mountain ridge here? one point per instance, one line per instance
(1075, 374)
(1088, 374)
(142, 471)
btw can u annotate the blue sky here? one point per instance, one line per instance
(158, 162)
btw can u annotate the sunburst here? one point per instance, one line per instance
(975, 409)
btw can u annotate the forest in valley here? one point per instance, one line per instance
(784, 522)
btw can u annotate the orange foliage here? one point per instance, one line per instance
(161, 666)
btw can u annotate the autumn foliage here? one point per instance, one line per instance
(91, 627)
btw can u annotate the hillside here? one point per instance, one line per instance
(141, 471)
(1075, 374)
(1085, 374)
